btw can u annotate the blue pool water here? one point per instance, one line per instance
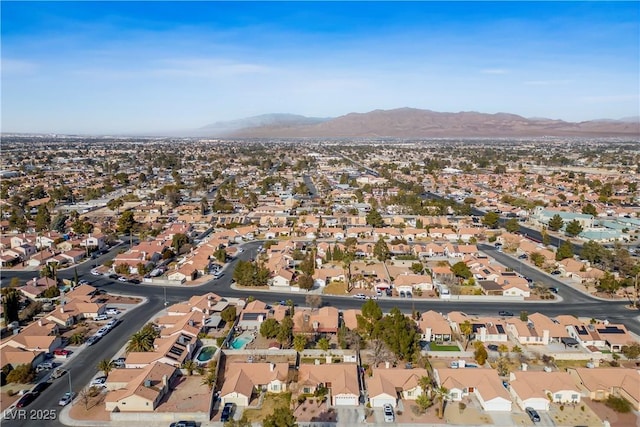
(206, 353)
(240, 342)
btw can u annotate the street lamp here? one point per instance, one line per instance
(70, 390)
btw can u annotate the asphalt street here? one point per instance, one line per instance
(82, 367)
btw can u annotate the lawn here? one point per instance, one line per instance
(436, 347)
(271, 402)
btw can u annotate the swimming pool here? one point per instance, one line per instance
(240, 342)
(206, 353)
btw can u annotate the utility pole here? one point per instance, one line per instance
(635, 297)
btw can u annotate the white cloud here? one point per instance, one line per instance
(546, 82)
(494, 71)
(209, 68)
(17, 66)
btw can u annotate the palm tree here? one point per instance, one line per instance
(502, 349)
(466, 328)
(210, 379)
(442, 393)
(189, 366)
(77, 338)
(106, 366)
(140, 342)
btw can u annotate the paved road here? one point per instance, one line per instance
(83, 366)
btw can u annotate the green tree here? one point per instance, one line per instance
(573, 228)
(461, 269)
(59, 223)
(537, 259)
(51, 292)
(229, 314)
(441, 395)
(466, 330)
(106, 366)
(589, 209)
(220, 255)
(381, 250)
(480, 354)
(280, 417)
(555, 223)
(417, 267)
(305, 282)
(491, 219)
(142, 341)
(285, 333)
(371, 315)
(374, 218)
(178, 241)
(269, 328)
(77, 338)
(299, 342)
(565, 250)
(593, 252)
(10, 304)
(126, 223)
(512, 225)
(190, 366)
(608, 283)
(423, 403)
(43, 218)
(323, 344)
(400, 334)
(631, 351)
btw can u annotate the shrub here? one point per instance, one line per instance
(582, 408)
(618, 404)
(22, 374)
(10, 392)
(562, 407)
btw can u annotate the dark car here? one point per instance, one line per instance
(40, 387)
(25, 400)
(505, 313)
(523, 256)
(554, 290)
(134, 281)
(533, 414)
(556, 272)
(184, 424)
(492, 347)
(226, 412)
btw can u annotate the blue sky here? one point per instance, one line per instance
(119, 67)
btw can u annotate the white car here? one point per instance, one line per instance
(388, 413)
(112, 311)
(66, 399)
(122, 279)
(98, 382)
(360, 296)
(102, 331)
(96, 273)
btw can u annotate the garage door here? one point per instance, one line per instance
(379, 402)
(345, 400)
(239, 401)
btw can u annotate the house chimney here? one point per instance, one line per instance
(61, 309)
(40, 322)
(272, 366)
(165, 381)
(387, 364)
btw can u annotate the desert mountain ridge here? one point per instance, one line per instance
(416, 123)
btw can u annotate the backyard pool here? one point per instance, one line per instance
(206, 353)
(240, 342)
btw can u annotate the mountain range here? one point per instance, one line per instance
(416, 123)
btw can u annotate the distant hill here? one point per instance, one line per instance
(416, 123)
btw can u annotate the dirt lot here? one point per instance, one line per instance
(93, 410)
(189, 395)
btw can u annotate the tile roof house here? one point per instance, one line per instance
(145, 390)
(484, 384)
(173, 350)
(242, 379)
(538, 389)
(384, 386)
(323, 320)
(602, 382)
(340, 379)
(38, 336)
(434, 327)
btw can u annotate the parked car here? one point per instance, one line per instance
(360, 296)
(122, 279)
(92, 340)
(67, 398)
(218, 274)
(98, 382)
(40, 387)
(492, 347)
(25, 400)
(58, 372)
(102, 332)
(112, 323)
(101, 317)
(522, 256)
(44, 366)
(112, 311)
(554, 290)
(533, 414)
(402, 294)
(504, 313)
(119, 362)
(61, 352)
(184, 424)
(134, 281)
(387, 409)
(556, 272)
(226, 412)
